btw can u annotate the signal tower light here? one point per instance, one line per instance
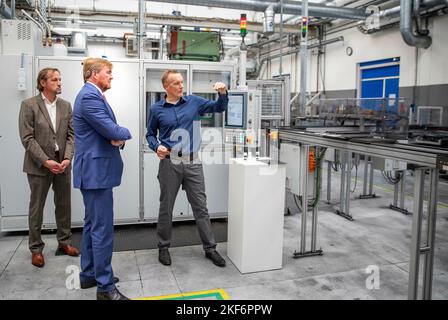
(304, 26)
(243, 25)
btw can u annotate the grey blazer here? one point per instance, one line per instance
(38, 135)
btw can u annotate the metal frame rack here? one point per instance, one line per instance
(425, 158)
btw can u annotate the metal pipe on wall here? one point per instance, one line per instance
(242, 85)
(406, 27)
(13, 9)
(261, 44)
(161, 54)
(418, 21)
(280, 67)
(35, 21)
(45, 23)
(323, 43)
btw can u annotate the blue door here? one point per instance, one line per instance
(380, 79)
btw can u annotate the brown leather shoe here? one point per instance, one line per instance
(68, 250)
(37, 259)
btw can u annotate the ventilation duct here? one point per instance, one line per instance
(268, 21)
(406, 26)
(314, 9)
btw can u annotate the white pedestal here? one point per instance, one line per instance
(256, 213)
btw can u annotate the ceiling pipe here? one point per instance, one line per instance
(315, 9)
(406, 27)
(389, 17)
(167, 20)
(339, 3)
(424, 5)
(433, 3)
(5, 10)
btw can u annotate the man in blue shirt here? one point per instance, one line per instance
(174, 134)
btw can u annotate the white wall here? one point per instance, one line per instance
(433, 63)
(341, 69)
(110, 50)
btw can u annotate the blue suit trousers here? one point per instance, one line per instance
(98, 238)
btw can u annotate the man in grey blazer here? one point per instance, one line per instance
(46, 131)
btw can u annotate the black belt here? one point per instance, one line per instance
(179, 154)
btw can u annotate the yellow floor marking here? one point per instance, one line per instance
(219, 294)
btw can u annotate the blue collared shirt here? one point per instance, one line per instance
(176, 124)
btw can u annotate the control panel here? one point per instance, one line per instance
(242, 121)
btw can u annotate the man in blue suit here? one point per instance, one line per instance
(97, 169)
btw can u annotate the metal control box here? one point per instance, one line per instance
(388, 164)
(290, 155)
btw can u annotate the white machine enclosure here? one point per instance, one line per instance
(137, 199)
(18, 36)
(14, 190)
(255, 219)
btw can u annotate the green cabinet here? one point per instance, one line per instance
(193, 45)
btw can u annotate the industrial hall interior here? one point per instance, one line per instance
(224, 150)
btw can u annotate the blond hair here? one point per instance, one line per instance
(167, 73)
(43, 75)
(91, 65)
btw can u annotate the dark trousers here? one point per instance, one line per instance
(39, 186)
(191, 176)
(98, 238)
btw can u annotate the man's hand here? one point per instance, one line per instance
(117, 143)
(220, 87)
(162, 152)
(65, 164)
(53, 166)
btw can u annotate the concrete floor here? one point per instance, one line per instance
(378, 237)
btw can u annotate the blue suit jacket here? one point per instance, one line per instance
(97, 163)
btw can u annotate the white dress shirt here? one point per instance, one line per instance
(51, 108)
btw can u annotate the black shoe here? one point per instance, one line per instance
(164, 257)
(216, 258)
(111, 295)
(92, 283)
